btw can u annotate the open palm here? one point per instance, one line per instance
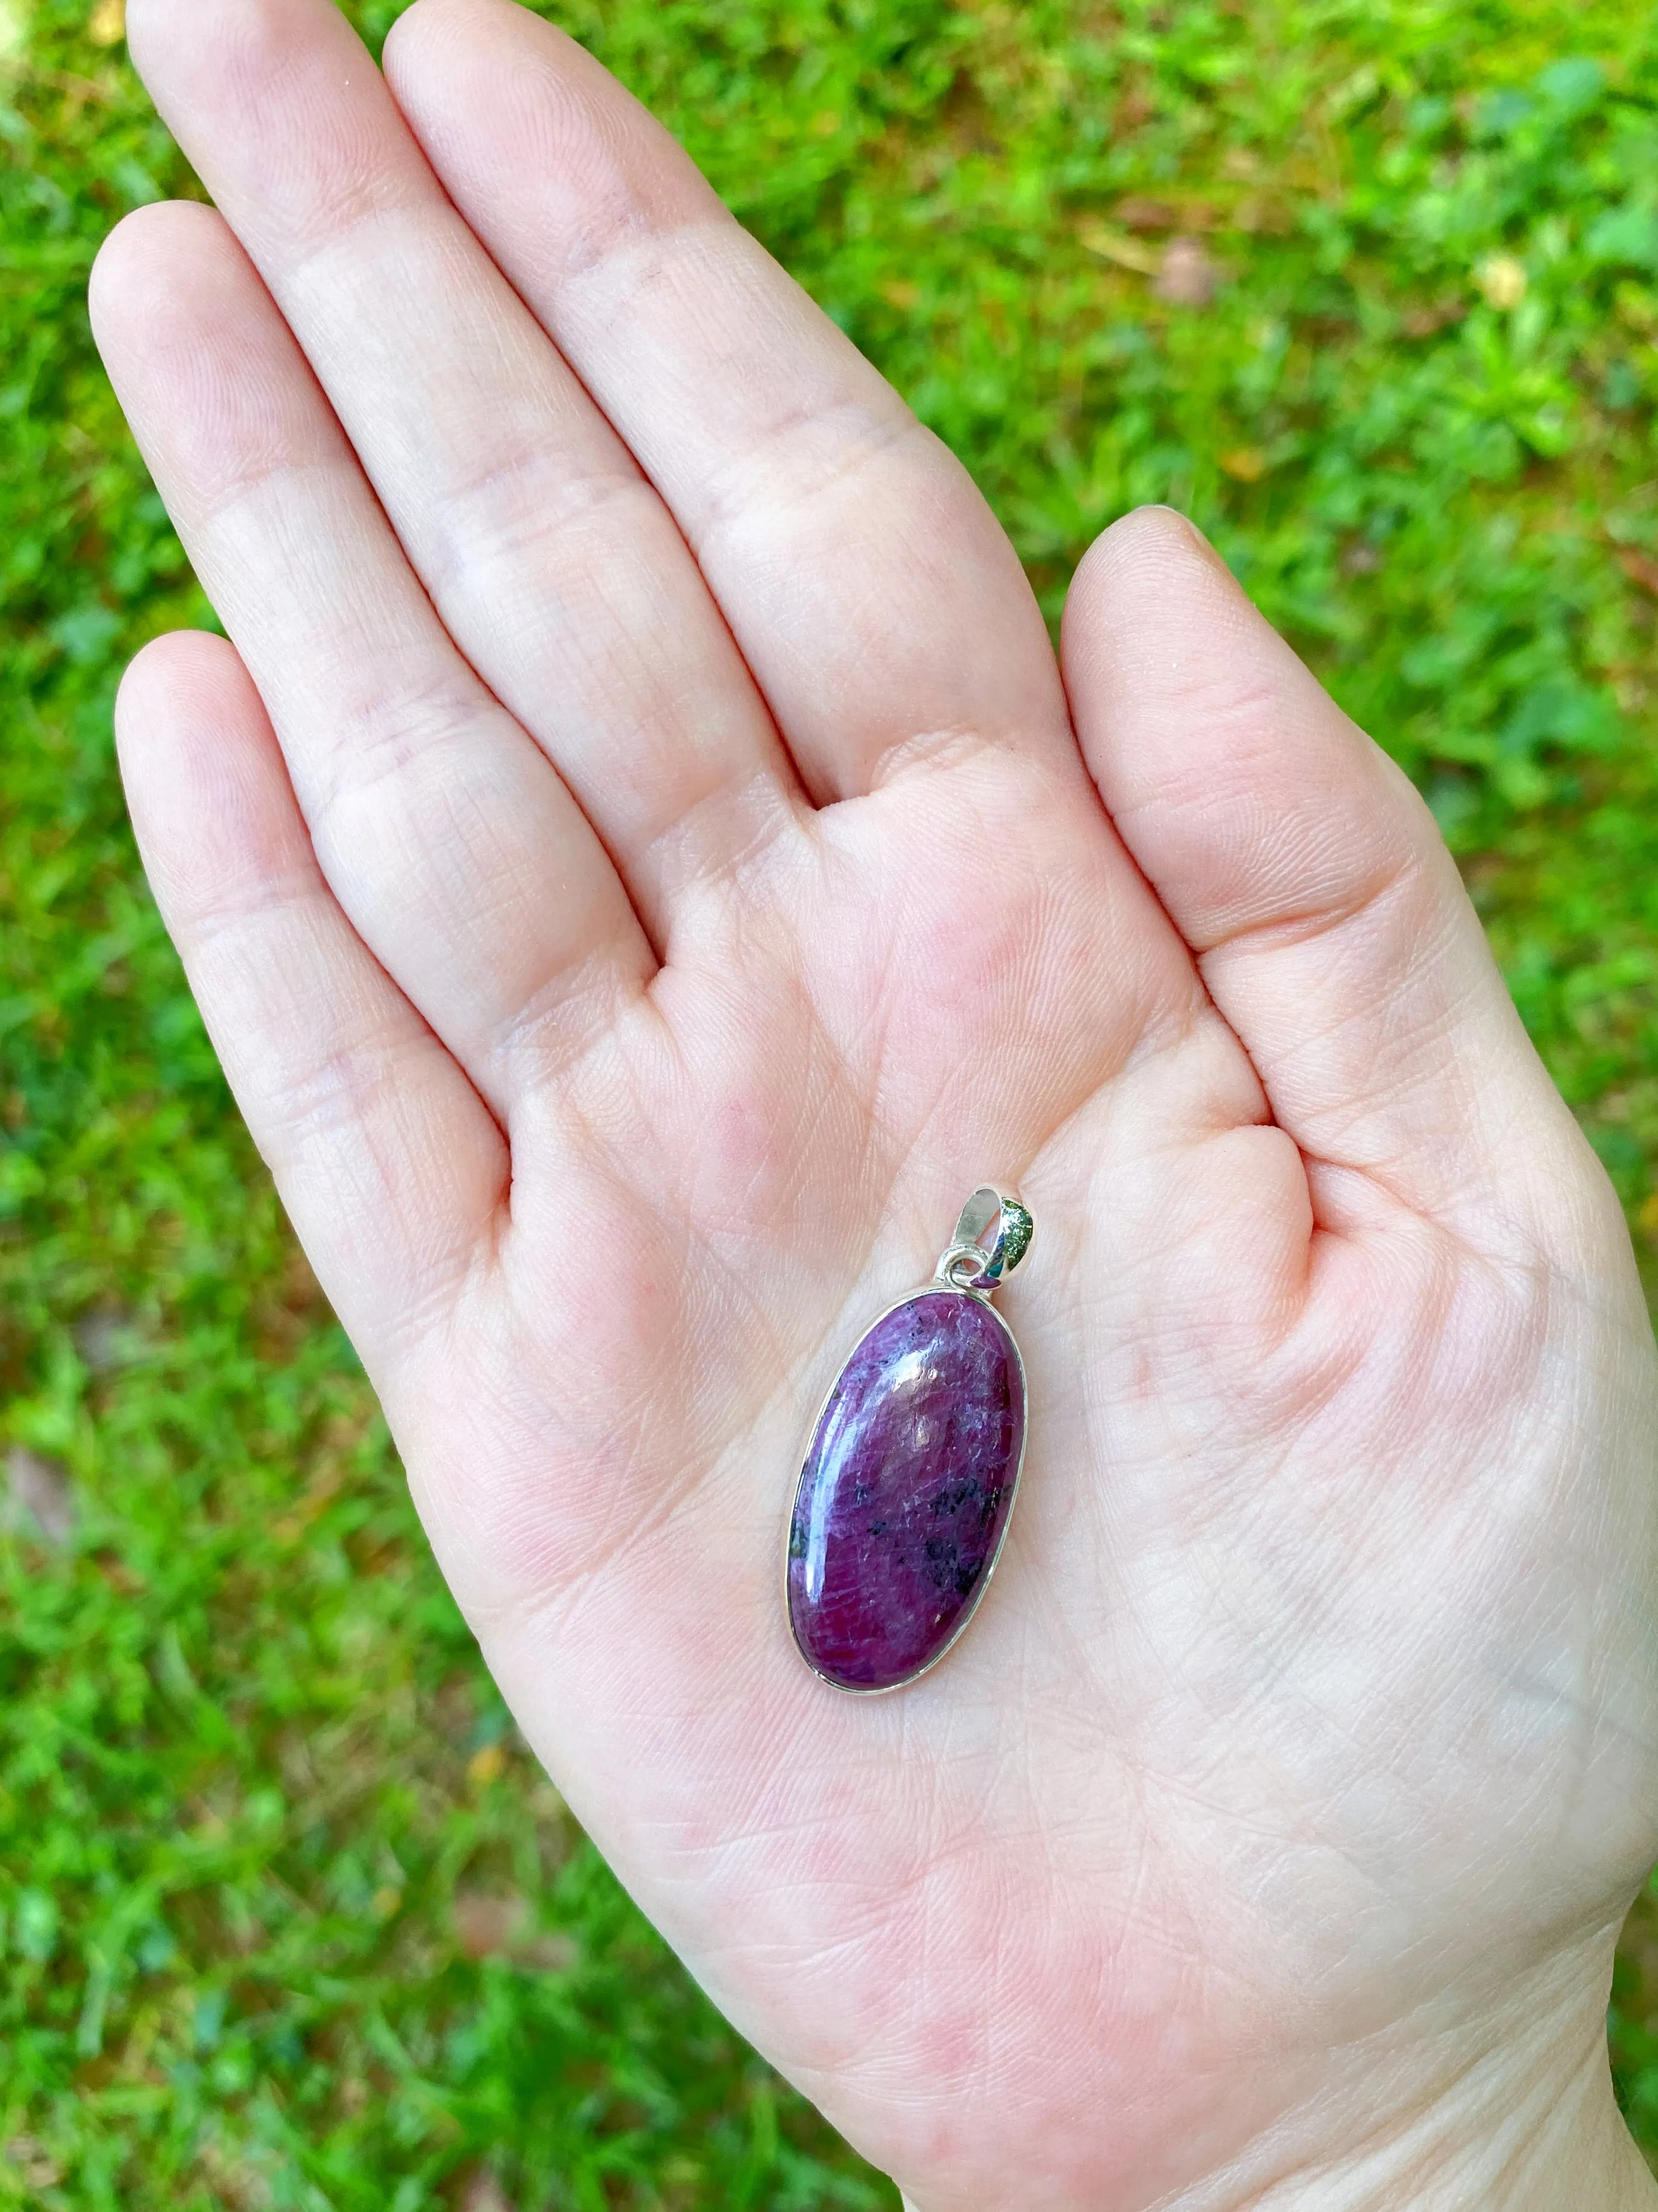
(642, 868)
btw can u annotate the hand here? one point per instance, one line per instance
(642, 867)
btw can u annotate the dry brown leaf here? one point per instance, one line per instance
(38, 2168)
(235, 2182)
(489, 1926)
(1260, 215)
(1135, 212)
(123, 1580)
(554, 1953)
(1640, 567)
(1428, 317)
(483, 2193)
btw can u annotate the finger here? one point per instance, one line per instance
(880, 605)
(389, 1165)
(462, 862)
(1329, 922)
(552, 562)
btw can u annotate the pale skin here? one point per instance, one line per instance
(642, 865)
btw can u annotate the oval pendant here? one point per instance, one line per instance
(908, 1482)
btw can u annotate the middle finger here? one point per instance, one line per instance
(550, 559)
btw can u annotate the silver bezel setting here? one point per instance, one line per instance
(933, 1289)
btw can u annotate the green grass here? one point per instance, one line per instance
(289, 1917)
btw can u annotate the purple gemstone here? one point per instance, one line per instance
(906, 1490)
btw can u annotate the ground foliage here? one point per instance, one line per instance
(1369, 287)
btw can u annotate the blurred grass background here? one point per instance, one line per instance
(1368, 287)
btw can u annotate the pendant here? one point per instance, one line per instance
(908, 1482)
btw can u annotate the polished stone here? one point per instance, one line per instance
(906, 1490)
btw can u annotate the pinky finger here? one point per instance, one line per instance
(390, 1166)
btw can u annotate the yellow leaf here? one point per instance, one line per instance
(1502, 281)
(1117, 245)
(486, 1765)
(900, 292)
(1647, 1217)
(13, 29)
(106, 26)
(1248, 464)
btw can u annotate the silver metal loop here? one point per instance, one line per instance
(959, 1267)
(992, 1235)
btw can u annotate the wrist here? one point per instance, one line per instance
(1530, 2124)
(1508, 2109)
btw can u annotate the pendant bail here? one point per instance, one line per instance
(994, 1232)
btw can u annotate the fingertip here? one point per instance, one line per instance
(141, 20)
(461, 27)
(443, 43)
(1156, 530)
(156, 267)
(197, 753)
(108, 282)
(122, 266)
(1152, 574)
(224, 56)
(175, 43)
(178, 675)
(424, 19)
(185, 704)
(507, 105)
(1154, 539)
(448, 24)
